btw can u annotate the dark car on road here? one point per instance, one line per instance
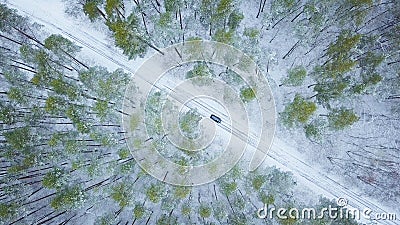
(215, 118)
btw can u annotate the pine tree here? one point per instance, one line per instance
(122, 194)
(296, 76)
(298, 111)
(54, 179)
(91, 9)
(155, 193)
(71, 197)
(342, 118)
(247, 94)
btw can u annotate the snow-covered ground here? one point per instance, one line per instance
(98, 48)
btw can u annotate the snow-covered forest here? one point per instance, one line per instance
(65, 158)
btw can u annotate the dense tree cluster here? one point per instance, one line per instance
(59, 121)
(350, 61)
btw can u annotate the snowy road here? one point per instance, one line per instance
(51, 14)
